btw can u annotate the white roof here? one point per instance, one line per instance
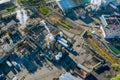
(15, 78)
(67, 76)
(4, 1)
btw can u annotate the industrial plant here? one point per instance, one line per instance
(59, 39)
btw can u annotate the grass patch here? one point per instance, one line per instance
(64, 24)
(43, 10)
(10, 8)
(114, 49)
(23, 1)
(58, 20)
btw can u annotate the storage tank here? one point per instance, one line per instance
(60, 54)
(63, 40)
(64, 44)
(59, 47)
(61, 34)
(57, 57)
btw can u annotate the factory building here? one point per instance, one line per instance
(66, 5)
(111, 26)
(3, 55)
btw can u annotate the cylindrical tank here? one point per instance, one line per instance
(59, 47)
(60, 54)
(61, 34)
(63, 40)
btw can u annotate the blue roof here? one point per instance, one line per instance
(86, 1)
(66, 4)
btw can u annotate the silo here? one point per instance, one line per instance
(59, 47)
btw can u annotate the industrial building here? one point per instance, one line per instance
(111, 26)
(66, 5)
(67, 76)
(3, 55)
(9, 36)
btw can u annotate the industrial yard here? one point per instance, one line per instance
(59, 40)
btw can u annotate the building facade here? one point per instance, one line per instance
(111, 26)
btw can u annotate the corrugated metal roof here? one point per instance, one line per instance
(67, 76)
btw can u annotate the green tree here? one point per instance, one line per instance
(116, 77)
(116, 67)
(43, 10)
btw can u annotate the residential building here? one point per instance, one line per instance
(111, 26)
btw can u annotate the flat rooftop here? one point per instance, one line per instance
(111, 25)
(67, 76)
(2, 55)
(68, 4)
